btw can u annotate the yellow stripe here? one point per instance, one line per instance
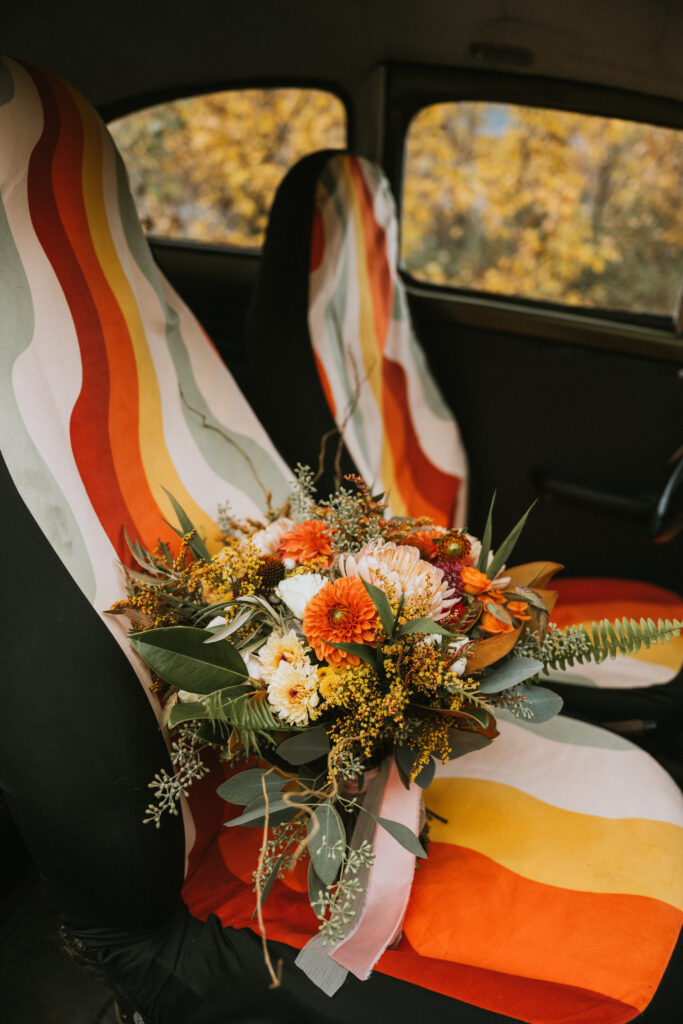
(633, 856)
(158, 465)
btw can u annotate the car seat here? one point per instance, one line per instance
(553, 887)
(330, 306)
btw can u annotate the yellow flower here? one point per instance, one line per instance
(328, 681)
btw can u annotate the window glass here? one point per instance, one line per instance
(544, 204)
(206, 168)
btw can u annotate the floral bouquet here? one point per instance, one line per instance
(341, 654)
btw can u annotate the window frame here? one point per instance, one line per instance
(411, 88)
(168, 94)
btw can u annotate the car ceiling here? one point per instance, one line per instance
(121, 51)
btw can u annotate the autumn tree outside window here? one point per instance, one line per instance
(207, 168)
(544, 204)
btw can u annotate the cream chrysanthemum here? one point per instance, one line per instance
(293, 692)
(281, 647)
(266, 540)
(398, 568)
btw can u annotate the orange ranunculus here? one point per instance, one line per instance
(491, 624)
(306, 542)
(474, 582)
(423, 540)
(519, 609)
(496, 595)
(341, 612)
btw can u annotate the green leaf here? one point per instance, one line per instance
(381, 603)
(543, 703)
(268, 884)
(464, 741)
(316, 887)
(423, 626)
(306, 746)
(534, 599)
(406, 758)
(486, 539)
(399, 610)
(497, 611)
(179, 655)
(480, 715)
(327, 845)
(197, 545)
(246, 786)
(507, 547)
(509, 673)
(403, 835)
(188, 711)
(362, 651)
(254, 812)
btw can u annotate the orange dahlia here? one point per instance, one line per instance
(306, 542)
(340, 613)
(424, 541)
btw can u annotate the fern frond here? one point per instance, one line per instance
(562, 648)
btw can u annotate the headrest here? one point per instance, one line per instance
(330, 322)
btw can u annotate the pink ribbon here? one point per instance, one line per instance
(387, 885)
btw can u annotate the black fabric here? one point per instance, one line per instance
(281, 380)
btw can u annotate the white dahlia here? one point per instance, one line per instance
(266, 540)
(397, 568)
(293, 692)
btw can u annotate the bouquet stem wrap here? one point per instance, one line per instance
(387, 884)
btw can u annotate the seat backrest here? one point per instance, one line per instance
(330, 304)
(112, 394)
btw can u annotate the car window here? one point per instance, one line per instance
(206, 168)
(544, 204)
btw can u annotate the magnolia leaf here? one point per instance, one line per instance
(381, 603)
(268, 884)
(514, 670)
(362, 651)
(197, 545)
(498, 612)
(486, 538)
(507, 547)
(246, 786)
(491, 648)
(533, 574)
(464, 741)
(326, 842)
(305, 747)
(188, 711)
(544, 703)
(403, 835)
(255, 812)
(406, 758)
(424, 626)
(179, 655)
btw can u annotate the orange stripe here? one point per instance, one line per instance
(376, 259)
(325, 383)
(466, 907)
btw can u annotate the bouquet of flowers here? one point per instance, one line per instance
(341, 654)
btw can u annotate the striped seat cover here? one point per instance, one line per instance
(395, 423)
(553, 890)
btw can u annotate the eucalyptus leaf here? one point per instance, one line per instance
(486, 538)
(507, 547)
(362, 651)
(534, 599)
(508, 673)
(543, 703)
(254, 812)
(246, 786)
(381, 603)
(305, 747)
(423, 626)
(403, 835)
(406, 758)
(179, 655)
(197, 545)
(316, 887)
(268, 884)
(497, 611)
(327, 843)
(464, 741)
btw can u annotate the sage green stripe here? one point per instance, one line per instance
(568, 730)
(232, 460)
(430, 391)
(31, 474)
